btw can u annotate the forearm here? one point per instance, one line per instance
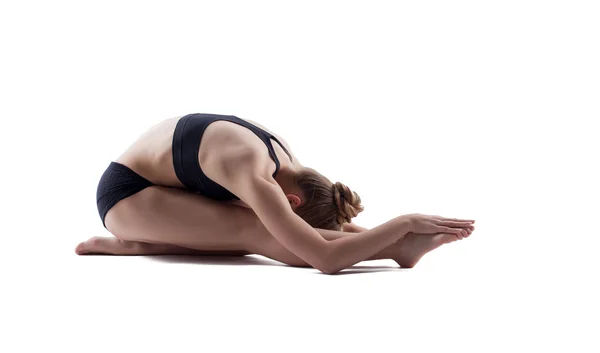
(352, 228)
(387, 253)
(336, 234)
(358, 229)
(346, 251)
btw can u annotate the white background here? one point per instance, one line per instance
(472, 109)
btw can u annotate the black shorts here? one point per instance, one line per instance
(117, 182)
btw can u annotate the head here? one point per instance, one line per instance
(321, 203)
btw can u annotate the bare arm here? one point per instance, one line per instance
(352, 228)
(271, 206)
(266, 198)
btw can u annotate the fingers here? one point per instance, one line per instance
(440, 218)
(462, 228)
(455, 224)
(459, 232)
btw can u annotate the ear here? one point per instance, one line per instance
(294, 200)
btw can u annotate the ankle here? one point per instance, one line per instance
(390, 252)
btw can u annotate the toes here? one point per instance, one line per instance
(88, 246)
(80, 249)
(464, 233)
(460, 233)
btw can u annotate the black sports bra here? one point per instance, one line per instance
(186, 143)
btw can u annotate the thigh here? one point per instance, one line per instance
(163, 215)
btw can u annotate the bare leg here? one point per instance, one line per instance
(406, 252)
(161, 220)
(115, 246)
(414, 246)
(168, 216)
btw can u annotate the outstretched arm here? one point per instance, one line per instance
(352, 228)
(250, 178)
(263, 194)
(271, 206)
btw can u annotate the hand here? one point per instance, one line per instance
(420, 223)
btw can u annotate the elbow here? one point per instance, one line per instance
(328, 270)
(329, 264)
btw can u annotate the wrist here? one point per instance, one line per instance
(404, 225)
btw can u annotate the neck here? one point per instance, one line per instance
(285, 179)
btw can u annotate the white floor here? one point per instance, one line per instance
(157, 304)
(485, 110)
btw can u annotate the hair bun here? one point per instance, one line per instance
(347, 202)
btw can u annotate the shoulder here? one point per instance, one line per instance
(251, 180)
(242, 166)
(251, 163)
(281, 139)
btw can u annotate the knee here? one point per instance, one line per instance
(252, 233)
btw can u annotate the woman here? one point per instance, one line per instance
(218, 185)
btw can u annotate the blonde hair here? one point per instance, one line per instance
(325, 205)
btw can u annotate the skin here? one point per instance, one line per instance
(406, 252)
(166, 219)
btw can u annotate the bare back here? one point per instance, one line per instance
(151, 155)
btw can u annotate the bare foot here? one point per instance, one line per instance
(115, 246)
(100, 245)
(414, 246)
